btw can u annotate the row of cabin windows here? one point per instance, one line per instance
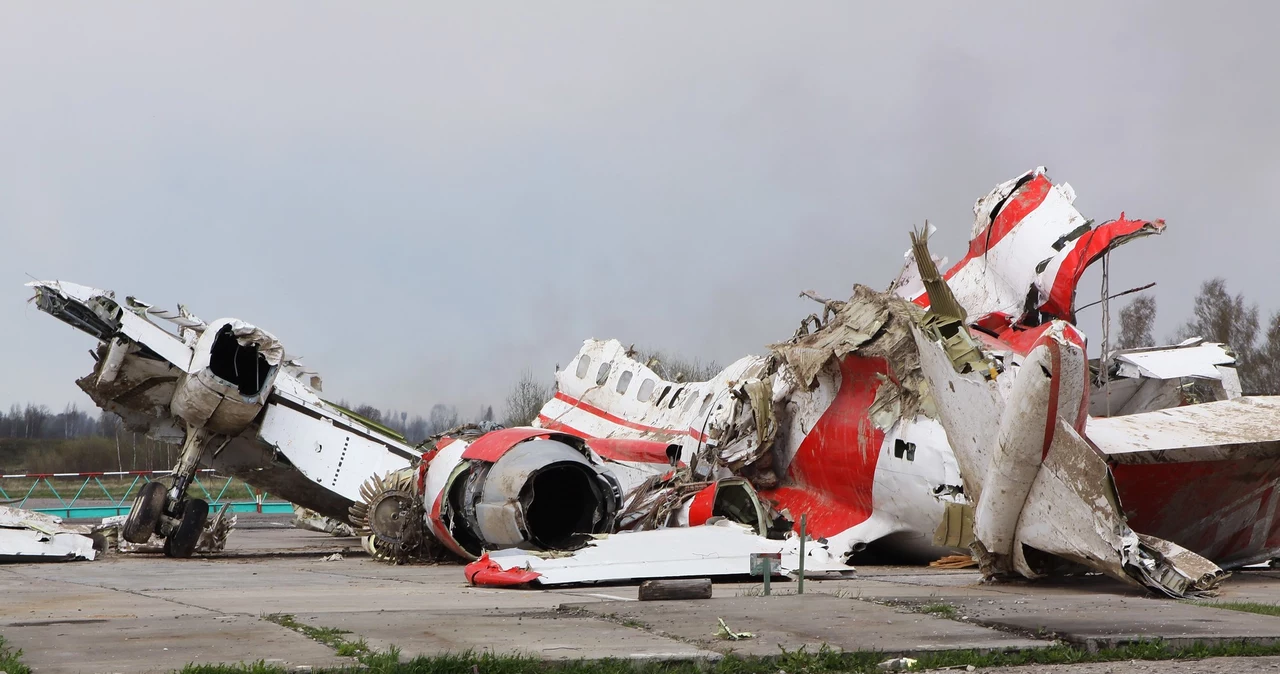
(645, 392)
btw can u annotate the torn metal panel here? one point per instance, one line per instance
(713, 550)
(1198, 359)
(1050, 491)
(27, 536)
(1203, 476)
(310, 520)
(1028, 249)
(1247, 427)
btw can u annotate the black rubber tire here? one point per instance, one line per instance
(182, 542)
(145, 513)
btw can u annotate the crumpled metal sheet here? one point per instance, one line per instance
(27, 536)
(1070, 508)
(1199, 359)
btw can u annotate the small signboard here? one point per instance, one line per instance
(765, 563)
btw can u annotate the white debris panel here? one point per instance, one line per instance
(1238, 429)
(712, 550)
(27, 536)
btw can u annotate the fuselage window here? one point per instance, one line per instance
(584, 364)
(624, 380)
(646, 391)
(602, 375)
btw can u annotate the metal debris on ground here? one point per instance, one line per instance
(897, 664)
(726, 633)
(27, 536)
(213, 536)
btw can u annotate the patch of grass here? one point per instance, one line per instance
(259, 667)
(941, 610)
(1246, 606)
(823, 661)
(329, 636)
(11, 660)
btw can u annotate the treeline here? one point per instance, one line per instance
(37, 422)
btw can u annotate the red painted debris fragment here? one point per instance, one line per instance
(485, 571)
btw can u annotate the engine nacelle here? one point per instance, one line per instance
(519, 487)
(232, 371)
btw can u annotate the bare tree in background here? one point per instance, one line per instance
(1136, 322)
(525, 400)
(675, 367)
(1266, 361)
(1219, 317)
(442, 418)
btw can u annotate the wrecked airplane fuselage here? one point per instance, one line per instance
(856, 426)
(952, 410)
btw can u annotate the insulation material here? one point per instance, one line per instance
(27, 536)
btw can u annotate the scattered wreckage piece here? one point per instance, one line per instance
(718, 549)
(213, 537)
(27, 536)
(227, 392)
(1156, 378)
(1204, 476)
(310, 520)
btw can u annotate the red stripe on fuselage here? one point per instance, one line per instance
(608, 416)
(1018, 206)
(833, 471)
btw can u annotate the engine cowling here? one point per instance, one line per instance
(232, 371)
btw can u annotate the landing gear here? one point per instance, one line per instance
(184, 518)
(182, 539)
(168, 513)
(145, 515)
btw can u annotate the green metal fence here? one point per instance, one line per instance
(90, 487)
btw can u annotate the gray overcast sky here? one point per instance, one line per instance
(423, 199)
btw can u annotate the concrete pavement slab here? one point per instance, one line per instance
(808, 620)
(1110, 620)
(551, 635)
(136, 645)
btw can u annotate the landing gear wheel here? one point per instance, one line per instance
(182, 542)
(145, 513)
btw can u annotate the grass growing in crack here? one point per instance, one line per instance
(10, 660)
(941, 610)
(329, 636)
(822, 661)
(1246, 606)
